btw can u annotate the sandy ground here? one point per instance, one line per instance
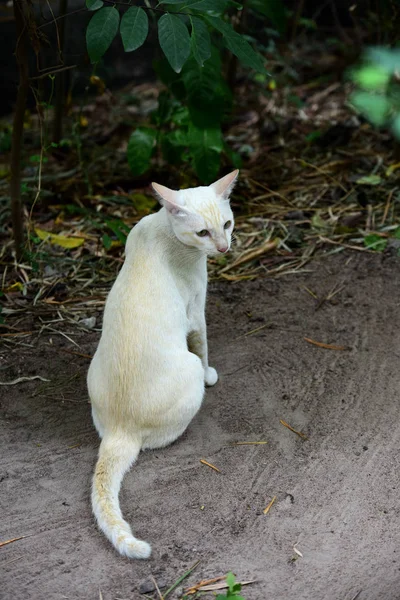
(337, 493)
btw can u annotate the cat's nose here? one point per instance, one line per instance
(222, 249)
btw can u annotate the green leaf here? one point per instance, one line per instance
(174, 145)
(373, 106)
(119, 228)
(314, 135)
(107, 241)
(140, 148)
(174, 41)
(237, 45)
(94, 4)
(396, 233)
(215, 6)
(375, 242)
(143, 204)
(233, 156)
(371, 77)
(181, 116)
(388, 59)
(205, 147)
(200, 40)
(396, 126)
(165, 107)
(101, 31)
(369, 180)
(230, 580)
(134, 28)
(208, 96)
(318, 222)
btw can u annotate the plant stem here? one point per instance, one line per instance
(20, 13)
(296, 19)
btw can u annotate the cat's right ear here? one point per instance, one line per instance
(168, 199)
(224, 186)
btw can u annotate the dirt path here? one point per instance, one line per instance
(337, 493)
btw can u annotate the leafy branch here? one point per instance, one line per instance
(190, 34)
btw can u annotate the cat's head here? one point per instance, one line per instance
(201, 217)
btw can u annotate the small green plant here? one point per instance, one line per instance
(187, 127)
(377, 96)
(233, 589)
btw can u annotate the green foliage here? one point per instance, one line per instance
(373, 106)
(5, 140)
(378, 95)
(375, 242)
(206, 93)
(237, 44)
(94, 4)
(134, 28)
(190, 114)
(140, 149)
(101, 31)
(371, 77)
(233, 589)
(200, 41)
(174, 40)
(205, 147)
(396, 126)
(215, 6)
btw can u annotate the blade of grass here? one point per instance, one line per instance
(181, 578)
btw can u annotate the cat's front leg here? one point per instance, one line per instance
(197, 343)
(210, 376)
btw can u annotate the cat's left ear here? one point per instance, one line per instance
(168, 198)
(224, 186)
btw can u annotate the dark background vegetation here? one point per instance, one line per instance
(304, 100)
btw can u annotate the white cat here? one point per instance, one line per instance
(146, 379)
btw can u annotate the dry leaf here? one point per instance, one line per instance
(59, 240)
(267, 509)
(302, 435)
(204, 462)
(297, 551)
(12, 540)
(326, 346)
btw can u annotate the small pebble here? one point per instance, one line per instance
(89, 323)
(148, 586)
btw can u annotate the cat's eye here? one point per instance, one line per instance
(227, 224)
(202, 233)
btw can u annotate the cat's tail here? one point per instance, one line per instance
(116, 455)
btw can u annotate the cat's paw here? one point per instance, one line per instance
(210, 376)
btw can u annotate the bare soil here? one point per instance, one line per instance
(337, 492)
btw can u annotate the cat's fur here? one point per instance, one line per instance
(146, 379)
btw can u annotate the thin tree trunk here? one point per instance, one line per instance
(60, 79)
(233, 63)
(20, 14)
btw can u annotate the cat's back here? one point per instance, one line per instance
(144, 255)
(145, 285)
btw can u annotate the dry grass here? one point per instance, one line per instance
(301, 194)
